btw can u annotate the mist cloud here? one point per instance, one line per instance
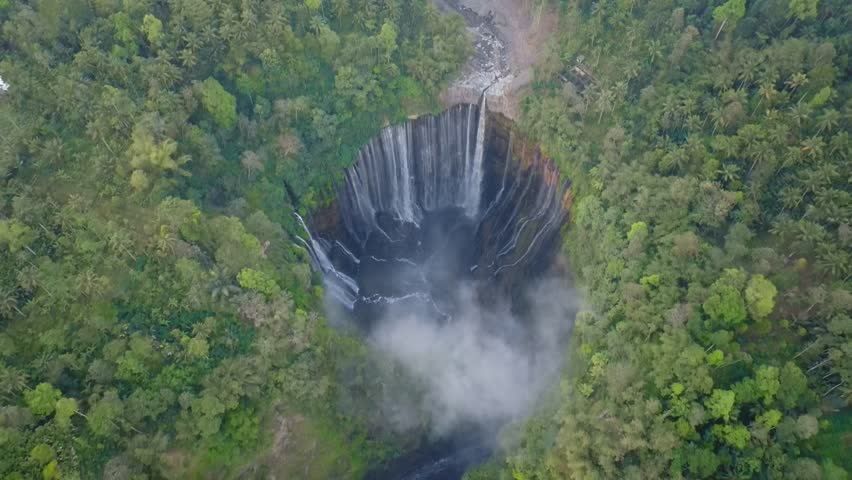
(485, 367)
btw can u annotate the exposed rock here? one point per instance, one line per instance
(509, 38)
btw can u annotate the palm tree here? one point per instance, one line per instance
(832, 261)
(188, 54)
(800, 113)
(392, 10)
(790, 197)
(784, 227)
(772, 115)
(729, 173)
(810, 234)
(340, 9)
(670, 111)
(276, 19)
(119, 241)
(749, 136)
(53, 150)
(366, 14)
(249, 17)
(29, 278)
(288, 144)
(722, 78)
(839, 144)
(826, 174)
(817, 295)
(720, 121)
(235, 377)
(632, 32)
(796, 81)
(828, 120)
(166, 242)
(605, 102)
(779, 135)
(678, 159)
(655, 51)
(813, 147)
(229, 24)
(792, 156)
(768, 93)
(8, 303)
(251, 163)
(728, 146)
(694, 123)
(759, 153)
(829, 206)
(688, 102)
(631, 70)
(163, 70)
(748, 69)
(12, 382)
(317, 24)
(90, 283)
(222, 286)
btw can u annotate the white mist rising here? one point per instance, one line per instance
(482, 369)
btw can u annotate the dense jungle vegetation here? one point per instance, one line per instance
(157, 319)
(712, 226)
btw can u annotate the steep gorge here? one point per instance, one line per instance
(456, 174)
(436, 248)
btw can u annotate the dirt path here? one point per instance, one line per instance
(510, 38)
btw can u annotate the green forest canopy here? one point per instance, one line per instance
(157, 320)
(711, 231)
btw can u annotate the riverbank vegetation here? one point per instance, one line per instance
(709, 147)
(158, 317)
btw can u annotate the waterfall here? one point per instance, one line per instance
(424, 165)
(411, 174)
(474, 187)
(524, 218)
(340, 286)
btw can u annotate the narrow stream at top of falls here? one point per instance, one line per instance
(441, 244)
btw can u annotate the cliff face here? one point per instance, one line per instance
(437, 202)
(517, 237)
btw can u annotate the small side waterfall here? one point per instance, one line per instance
(340, 286)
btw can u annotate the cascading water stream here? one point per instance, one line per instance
(340, 286)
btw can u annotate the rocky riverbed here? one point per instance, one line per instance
(510, 38)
